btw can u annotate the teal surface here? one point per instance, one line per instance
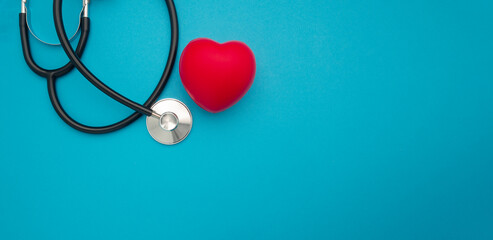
(366, 120)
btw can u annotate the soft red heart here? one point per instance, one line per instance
(216, 75)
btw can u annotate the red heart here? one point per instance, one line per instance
(216, 75)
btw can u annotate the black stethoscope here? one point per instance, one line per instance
(169, 121)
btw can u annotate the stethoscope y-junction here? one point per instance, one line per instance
(169, 121)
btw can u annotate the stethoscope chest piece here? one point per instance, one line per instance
(172, 122)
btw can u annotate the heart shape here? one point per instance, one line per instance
(217, 76)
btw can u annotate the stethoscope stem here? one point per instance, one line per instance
(155, 115)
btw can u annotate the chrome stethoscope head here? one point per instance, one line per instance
(170, 122)
(83, 13)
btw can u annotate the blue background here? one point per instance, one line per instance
(366, 120)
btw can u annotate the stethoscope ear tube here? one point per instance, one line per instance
(62, 35)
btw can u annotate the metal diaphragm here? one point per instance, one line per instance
(173, 124)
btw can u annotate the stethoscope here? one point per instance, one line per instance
(168, 121)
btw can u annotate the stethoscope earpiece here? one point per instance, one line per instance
(170, 122)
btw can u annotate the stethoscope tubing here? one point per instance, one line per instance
(144, 108)
(52, 75)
